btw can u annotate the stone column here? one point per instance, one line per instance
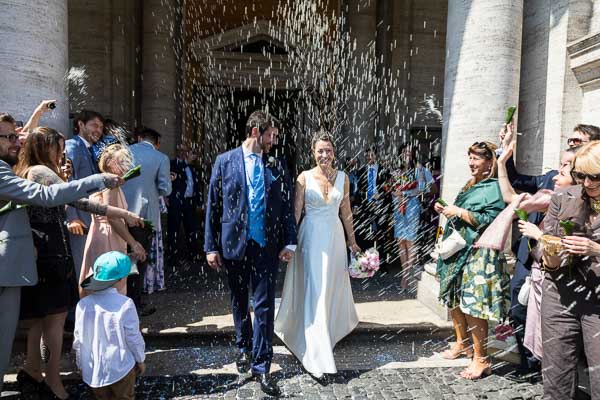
(362, 22)
(34, 59)
(483, 50)
(159, 71)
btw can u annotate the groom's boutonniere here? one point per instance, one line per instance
(271, 162)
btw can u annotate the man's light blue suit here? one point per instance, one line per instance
(142, 193)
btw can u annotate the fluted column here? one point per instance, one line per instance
(159, 71)
(34, 59)
(483, 48)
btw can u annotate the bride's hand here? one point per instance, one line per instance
(286, 255)
(355, 249)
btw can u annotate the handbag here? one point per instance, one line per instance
(451, 245)
(524, 292)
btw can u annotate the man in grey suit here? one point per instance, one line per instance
(17, 254)
(88, 128)
(142, 195)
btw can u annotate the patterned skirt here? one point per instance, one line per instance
(155, 271)
(483, 291)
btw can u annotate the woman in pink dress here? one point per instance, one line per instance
(110, 234)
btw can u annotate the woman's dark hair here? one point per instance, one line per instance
(37, 149)
(593, 132)
(322, 136)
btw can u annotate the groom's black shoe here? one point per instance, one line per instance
(243, 362)
(267, 384)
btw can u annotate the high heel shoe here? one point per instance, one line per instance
(46, 393)
(27, 383)
(451, 354)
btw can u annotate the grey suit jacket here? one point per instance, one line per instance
(83, 166)
(17, 257)
(142, 193)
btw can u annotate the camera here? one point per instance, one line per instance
(51, 106)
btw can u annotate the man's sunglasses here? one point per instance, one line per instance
(11, 137)
(574, 141)
(580, 177)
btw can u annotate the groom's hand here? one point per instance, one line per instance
(286, 255)
(214, 260)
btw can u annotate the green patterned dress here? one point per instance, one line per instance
(473, 279)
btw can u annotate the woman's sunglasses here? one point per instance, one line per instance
(580, 177)
(484, 146)
(574, 141)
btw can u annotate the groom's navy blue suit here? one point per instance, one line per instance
(227, 231)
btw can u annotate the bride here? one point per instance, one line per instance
(317, 308)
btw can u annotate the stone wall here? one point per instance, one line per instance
(104, 41)
(33, 59)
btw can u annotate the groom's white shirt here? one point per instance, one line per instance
(249, 164)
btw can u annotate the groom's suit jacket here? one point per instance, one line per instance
(226, 228)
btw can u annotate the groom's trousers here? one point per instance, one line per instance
(259, 270)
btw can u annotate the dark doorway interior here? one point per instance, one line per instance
(282, 105)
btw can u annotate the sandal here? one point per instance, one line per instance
(452, 354)
(471, 374)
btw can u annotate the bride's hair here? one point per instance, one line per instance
(322, 136)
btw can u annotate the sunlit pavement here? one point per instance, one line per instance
(371, 366)
(393, 353)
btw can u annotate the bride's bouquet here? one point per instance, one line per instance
(364, 265)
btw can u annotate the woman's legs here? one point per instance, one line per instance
(404, 257)
(53, 326)
(462, 345)
(480, 365)
(33, 364)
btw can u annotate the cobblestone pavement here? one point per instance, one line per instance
(371, 367)
(421, 383)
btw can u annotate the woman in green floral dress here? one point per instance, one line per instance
(473, 282)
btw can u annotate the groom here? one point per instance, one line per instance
(250, 226)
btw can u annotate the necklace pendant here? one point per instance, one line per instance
(595, 204)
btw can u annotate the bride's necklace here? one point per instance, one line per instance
(330, 180)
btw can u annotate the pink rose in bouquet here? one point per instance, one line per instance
(364, 265)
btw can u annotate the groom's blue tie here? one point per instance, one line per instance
(256, 203)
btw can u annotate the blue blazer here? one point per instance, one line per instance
(83, 166)
(226, 228)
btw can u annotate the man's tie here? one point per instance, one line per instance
(371, 184)
(257, 203)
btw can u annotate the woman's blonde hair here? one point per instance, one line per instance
(587, 159)
(485, 150)
(116, 158)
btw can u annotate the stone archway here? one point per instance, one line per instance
(244, 69)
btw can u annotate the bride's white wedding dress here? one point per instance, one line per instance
(317, 309)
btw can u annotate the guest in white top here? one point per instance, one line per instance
(107, 339)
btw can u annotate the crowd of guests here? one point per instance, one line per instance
(552, 298)
(392, 202)
(69, 217)
(90, 241)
